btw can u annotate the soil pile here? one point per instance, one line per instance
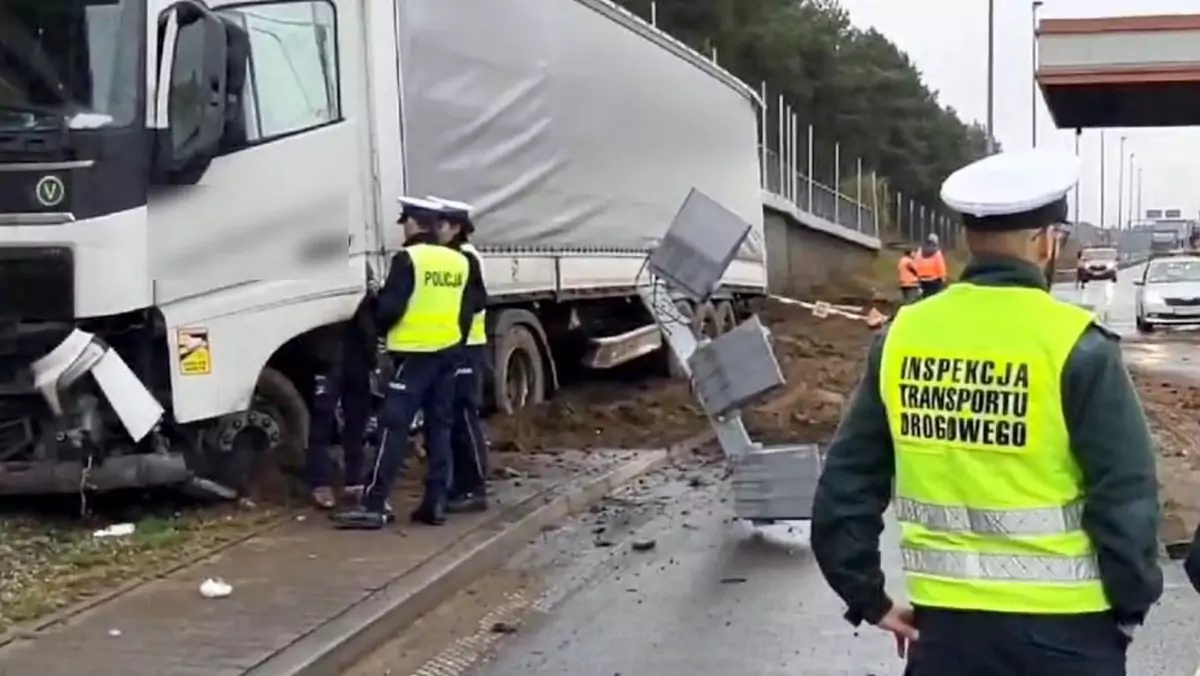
(820, 359)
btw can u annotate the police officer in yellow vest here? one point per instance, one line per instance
(430, 295)
(468, 487)
(1023, 470)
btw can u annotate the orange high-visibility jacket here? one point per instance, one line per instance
(931, 267)
(907, 269)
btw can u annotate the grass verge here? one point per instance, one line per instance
(51, 563)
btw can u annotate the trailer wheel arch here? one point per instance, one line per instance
(516, 320)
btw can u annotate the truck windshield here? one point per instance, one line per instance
(73, 63)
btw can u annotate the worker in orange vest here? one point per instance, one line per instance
(910, 281)
(931, 267)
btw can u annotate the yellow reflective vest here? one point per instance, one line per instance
(478, 333)
(431, 320)
(988, 494)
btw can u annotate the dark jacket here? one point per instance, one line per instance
(1109, 437)
(400, 284)
(1191, 565)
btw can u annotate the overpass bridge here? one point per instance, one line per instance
(1135, 71)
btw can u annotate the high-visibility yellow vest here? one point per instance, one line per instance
(431, 319)
(478, 332)
(988, 494)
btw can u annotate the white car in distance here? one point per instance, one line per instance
(1168, 293)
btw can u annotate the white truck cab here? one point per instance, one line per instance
(194, 192)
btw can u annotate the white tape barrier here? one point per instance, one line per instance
(822, 309)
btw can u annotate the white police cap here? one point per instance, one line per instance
(417, 204)
(451, 205)
(1011, 183)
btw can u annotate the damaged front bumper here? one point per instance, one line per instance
(62, 432)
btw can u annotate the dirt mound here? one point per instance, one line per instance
(1171, 405)
(820, 358)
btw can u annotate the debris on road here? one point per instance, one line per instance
(504, 628)
(115, 531)
(215, 588)
(643, 545)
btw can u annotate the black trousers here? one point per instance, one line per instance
(931, 286)
(971, 643)
(422, 381)
(347, 384)
(467, 441)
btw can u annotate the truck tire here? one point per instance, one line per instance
(260, 465)
(518, 374)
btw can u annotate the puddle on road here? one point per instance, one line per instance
(1174, 354)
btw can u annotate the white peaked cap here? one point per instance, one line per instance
(451, 204)
(1011, 183)
(407, 202)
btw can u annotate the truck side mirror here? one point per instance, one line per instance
(1138, 282)
(192, 83)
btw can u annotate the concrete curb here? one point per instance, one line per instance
(344, 640)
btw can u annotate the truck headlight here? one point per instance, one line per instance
(1152, 298)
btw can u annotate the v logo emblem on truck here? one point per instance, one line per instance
(50, 191)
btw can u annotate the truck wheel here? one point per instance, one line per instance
(267, 449)
(518, 376)
(726, 317)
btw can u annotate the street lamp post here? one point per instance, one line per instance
(1132, 185)
(1121, 183)
(1033, 94)
(1078, 135)
(1139, 194)
(991, 78)
(1103, 223)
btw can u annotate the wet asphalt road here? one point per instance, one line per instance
(713, 599)
(1172, 351)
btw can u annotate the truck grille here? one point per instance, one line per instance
(37, 283)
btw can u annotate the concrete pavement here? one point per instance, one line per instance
(308, 599)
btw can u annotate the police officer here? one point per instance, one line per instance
(428, 300)
(346, 383)
(1023, 469)
(468, 443)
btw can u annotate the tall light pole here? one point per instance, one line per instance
(1103, 224)
(1132, 186)
(991, 78)
(1033, 53)
(1139, 194)
(1078, 217)
(1121, 183)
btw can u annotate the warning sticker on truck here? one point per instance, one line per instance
(195, 353)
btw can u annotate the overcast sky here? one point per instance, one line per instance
(947, 39)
